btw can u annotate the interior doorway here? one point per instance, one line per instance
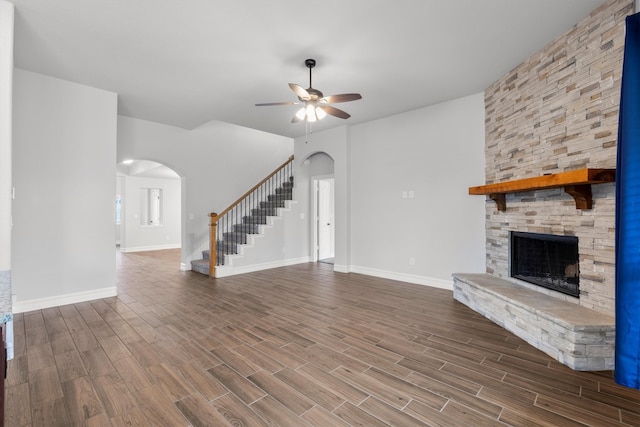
(324, 211)
(148, 207)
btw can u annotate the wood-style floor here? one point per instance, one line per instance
(292, 346)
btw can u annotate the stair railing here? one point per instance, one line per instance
(226, 221)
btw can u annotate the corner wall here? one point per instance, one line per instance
(64, 152)
(558, 111)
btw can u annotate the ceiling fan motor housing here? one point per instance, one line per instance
(314, 95)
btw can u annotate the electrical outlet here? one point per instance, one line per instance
(404, 194)
(412, 261)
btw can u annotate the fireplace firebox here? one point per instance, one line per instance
(546, 260)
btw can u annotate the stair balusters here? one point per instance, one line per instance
(231, 227)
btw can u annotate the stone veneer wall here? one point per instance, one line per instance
(555, 112)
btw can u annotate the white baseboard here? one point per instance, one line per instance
(58, 300)
(403, 277)
(341, 268)
(150, 248)
(228, 270)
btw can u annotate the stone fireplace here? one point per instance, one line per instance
(556, 112)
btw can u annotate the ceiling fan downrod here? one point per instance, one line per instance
(310, 63)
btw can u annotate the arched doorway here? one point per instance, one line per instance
(148, 206)
(320, 168)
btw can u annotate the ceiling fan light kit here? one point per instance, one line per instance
(315, 104)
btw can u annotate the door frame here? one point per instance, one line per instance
(315, 247)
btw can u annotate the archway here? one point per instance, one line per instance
(148, 206)
(320, 168)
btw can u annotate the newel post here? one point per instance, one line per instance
(213, 257)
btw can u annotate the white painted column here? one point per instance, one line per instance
(6, 89)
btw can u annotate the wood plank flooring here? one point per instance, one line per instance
(294, 346)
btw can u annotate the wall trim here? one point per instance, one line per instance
(58, 300)
(339, 268)
(403, 277)
(229, 270)
(150, 248)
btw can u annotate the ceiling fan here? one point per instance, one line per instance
(315, 104)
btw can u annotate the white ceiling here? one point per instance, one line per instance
(187, 62)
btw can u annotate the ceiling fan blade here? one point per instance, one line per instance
(334, 111)
(300, 91)
(276, 103)
(343, 97)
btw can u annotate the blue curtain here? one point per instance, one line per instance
(627, 370)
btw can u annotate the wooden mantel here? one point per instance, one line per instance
(576, 183)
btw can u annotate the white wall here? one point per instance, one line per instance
(64, 157)
(437, 152)
(218, 162)
(6, 96)
(136, 237)
(6, 78)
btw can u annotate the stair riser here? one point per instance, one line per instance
(264, 212)
(226, 247)
(247, 228)
(279, 197)
(254, 220)
(272, 205)
(235, 237)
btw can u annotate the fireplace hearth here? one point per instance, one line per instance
(546, 260)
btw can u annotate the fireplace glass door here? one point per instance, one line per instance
(546, 260)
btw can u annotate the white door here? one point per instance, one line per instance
(326, 243)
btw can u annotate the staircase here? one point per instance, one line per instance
(237, 232)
